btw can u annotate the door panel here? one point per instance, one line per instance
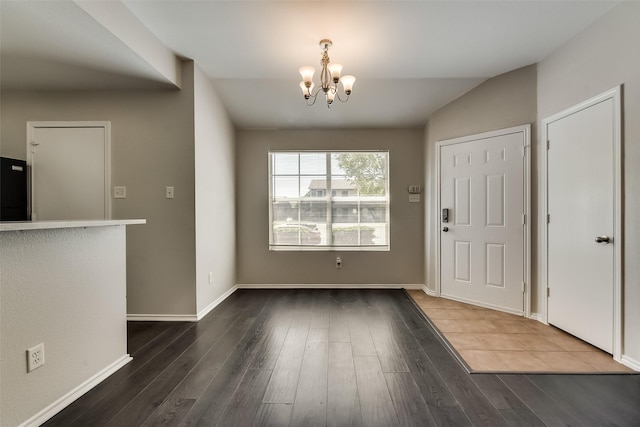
(68, 173)
(462, 259)
(495, 264)
(482, 253)
(495, 200)
(462, 205)
(581, 207)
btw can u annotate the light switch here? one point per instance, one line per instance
(119, 192)
(414, 198)
(169, 193)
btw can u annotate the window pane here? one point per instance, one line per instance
(313, 215)
(313, 163)
(366, 172)
(359, 235)
(285, 186)
(347, 235)
(335, 163)
(286, 234)
(313, 212)
(285, 163)
(342, 187)
(344, 211)
(379, 234)
(284, 211)
(372, 186)
(313, 186)
(373, 212)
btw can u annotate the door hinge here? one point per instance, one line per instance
(523, 287)
(548, 144)
(524, 219)
(548, 218)
(524, 151)
(548, 292)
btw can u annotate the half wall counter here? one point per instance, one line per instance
(62, 285)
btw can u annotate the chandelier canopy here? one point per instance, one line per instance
(329, 79)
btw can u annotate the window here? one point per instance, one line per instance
(329, 200)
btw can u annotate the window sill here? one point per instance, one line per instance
(296, 248)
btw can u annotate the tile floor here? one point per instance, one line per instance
(493, 341)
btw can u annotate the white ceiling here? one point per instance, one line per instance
(410, 57)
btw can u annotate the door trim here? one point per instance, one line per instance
(618, 248)
(32, 125)
(526, 133)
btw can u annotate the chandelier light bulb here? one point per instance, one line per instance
(347, 83)
(335, 69)
(307, 73)
(330, 95)
(306, 91)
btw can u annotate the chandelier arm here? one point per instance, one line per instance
(340, 99)
(313, 96)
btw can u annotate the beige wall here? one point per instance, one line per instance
(257, 265)
(215, 194)
(603, 56)
(152, 137)
(501, 102)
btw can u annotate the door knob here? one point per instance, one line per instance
(603, 239)
(445, 229)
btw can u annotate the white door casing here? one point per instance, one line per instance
(69, 165)
(482, 252)
(583, 202)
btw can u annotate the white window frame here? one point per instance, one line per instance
(328, 198)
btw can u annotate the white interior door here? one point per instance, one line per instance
(482, 245)
(69, 172)
(581, 208)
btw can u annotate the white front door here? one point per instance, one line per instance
(581, 233)
(69, 171)
(482, 242)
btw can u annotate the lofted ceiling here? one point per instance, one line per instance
(410, 57)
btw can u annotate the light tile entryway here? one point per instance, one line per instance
(494, 341)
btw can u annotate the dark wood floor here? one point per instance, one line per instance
(330, 358)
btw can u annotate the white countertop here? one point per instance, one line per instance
(42, 225)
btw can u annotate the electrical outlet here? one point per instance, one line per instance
(119, 192)
(35, 357)
(169, 192)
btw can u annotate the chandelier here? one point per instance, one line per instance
(329, 79)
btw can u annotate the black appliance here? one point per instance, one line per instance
(13, 190)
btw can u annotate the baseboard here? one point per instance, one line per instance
(162, 317)
(630, 363)
(480, 304)
(74, 394)
(327, 286)
(428, 291)
(217, 302)
(538, 317)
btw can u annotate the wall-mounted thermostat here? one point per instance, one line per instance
(415, 189)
